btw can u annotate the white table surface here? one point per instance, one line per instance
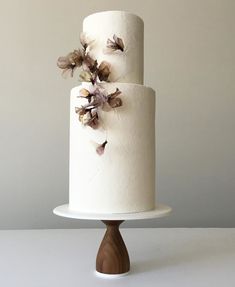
(159, 257)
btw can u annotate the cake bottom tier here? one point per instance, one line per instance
(122, 179)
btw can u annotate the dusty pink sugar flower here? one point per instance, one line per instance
(91, 70)
(98, 99)
(100, 149)
(114, 45)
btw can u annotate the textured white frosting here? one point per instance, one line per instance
(122, 180)
(126, 66)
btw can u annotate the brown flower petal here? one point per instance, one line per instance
(100, 149)
(85, 76)
(63, 62)
(89, 64)
(115, 103)
(76, 58)
(113, 100)
(81, 111)
(84, 93)
(93, 122)
(119, 42)
(85, 40)
(68, 72)
(85, 118)
(115, 94)
(104, 71)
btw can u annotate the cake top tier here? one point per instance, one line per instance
(126, 65)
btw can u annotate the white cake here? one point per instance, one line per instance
(122, 179)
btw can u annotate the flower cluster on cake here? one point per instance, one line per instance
(112, 118)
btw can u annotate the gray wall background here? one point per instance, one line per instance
(189, 59)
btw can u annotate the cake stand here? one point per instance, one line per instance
(112, 259)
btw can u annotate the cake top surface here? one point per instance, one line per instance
(117, 12)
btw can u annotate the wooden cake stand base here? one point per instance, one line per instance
(112, 259)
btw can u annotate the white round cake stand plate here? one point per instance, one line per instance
(159, 211)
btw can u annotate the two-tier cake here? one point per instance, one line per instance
(112, 118)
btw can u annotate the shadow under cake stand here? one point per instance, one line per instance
(112, 258)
